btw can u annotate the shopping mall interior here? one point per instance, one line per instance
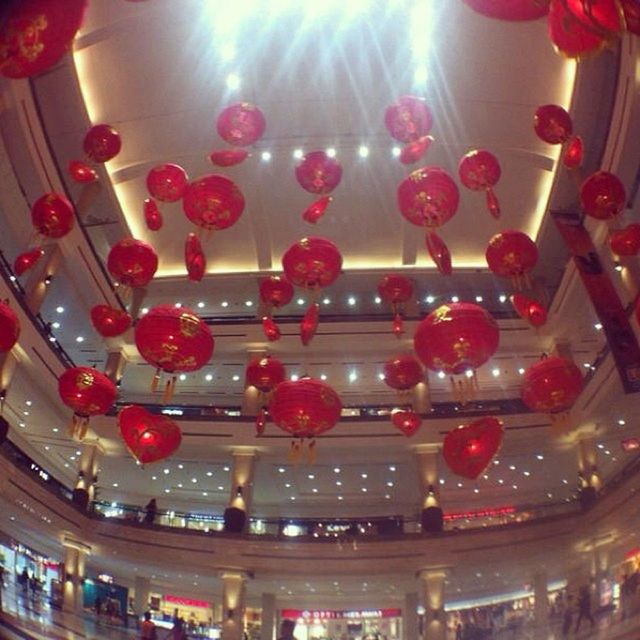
(319, 311)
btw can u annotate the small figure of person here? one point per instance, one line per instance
(286, 629)
(151, 510)
(24, 581)
(567, 617)
(178, 629)
(34, 585)
(584, 607)
(97, 607)
(148, 629)
(459, 631)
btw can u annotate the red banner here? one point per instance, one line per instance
(604, 297)
(309, 615)
(187, 602)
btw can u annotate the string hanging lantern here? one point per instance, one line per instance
(529, 309)
(265, 374)
(554, 125)
(409, 120)
(53, 216)
(603, 195)
(27, 260)
(319, 174)
(406, 421)
(396, 290)
(512, 254)
(132, 263)
(9, 327)
(110, 322)
(241, 124)
(479, 170)
(275, 293)
(102, 143)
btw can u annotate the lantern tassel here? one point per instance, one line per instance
(398, 326)
(169, 390)
(155, 382)
(295, 451)
(493, 204)
(312, 454)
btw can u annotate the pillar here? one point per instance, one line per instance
(233, 604)
(268, 617)
(84, 491)
(142, 590)
(75, 553)
(8, 362)
(589, 481)
(40, 278)
(601, 570)
(427, 460)
(409, 617)
(435, 623)
(541, 606)
(114, 368)
(236, 515)
(421, 400)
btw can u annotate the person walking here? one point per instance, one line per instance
(286, 629)
(584, 607)
(148, 629)
(151, 510)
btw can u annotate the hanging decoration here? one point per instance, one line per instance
(194, 258)
(102, 143)
(81, 172)
(52, 215)
(173, 340)
(396, 290)
(275, 292)
(89, 393)
(312, 263)
(152, 215)
(602, 195)
(265, 374)
(402, 372)
(27, 260)
(517, 10)
(415, 151)
(529, 309)
(573, 153)
(167, 182)
(408, 422)
(213, 202)
(9, 327)
(148, 437)
(35, 34)
(309, 323)
(409, 120)
(428, 197)
(305, 408)
(479, 170)
(569, 35)
(626, 242)
(631, 9)
(228, 157)
(241, 124)
(456, 339)
(552, 386)
(554, 125)
(110, 322)
(512, 254)
(320, 174)
(316, 209)
(468, 449)
(132, 263)
(439, 253)
(601, 16)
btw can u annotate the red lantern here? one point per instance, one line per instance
(167, 182)
(173, 340)
(81, 172)
(318, 173)
(512, 254)
(409, 119)
(626, 242)
(228, 157)
(312, 263)
(602, 195)
(213, 202)
(402, 373)
(152, 215)
(396, 290)
(241, 124)
(570, 36)
(309, 323)
(35, 34)
(552, 124)
(52, 215)
(631, 10)
(551, 385)
(132, 263)
(439, 253)
(406, 421)
(530, 310)
(110, 322)
(573, 154)
(148, 437)
(9, 327)
(414, 151)
(102, 143)
(305, 408)
(89, 393)
(510, 9)
(27, 260)
(468, 449)
(265, 373)
(275, 292)
(480, 170)
(317, 209)
(601, 16)
(194, 258)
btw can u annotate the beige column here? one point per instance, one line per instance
(75, 553)
(268, 617)
(589, 479)
(236, 514)
(541, 606)
(38, 282)
(233, 604)
(427, 459)
(142, 589)
(410, 617)
(138, 295)
(435, 623)
(421, 399)
(114, 368)
(84, 491)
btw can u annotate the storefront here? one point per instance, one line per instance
(197, 614)
(358, 624)
(113, 598)
(15, 558)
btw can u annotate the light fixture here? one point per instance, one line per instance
(294, 377)
(281, 469)
(353, 376)
(502, 298)
(209, 474)
(364, 489)
(323, 376)
(300, 301)
(621, 422)
(48, 278)
(183, 377)
(59, 309)
(340, 498)
(540, 456)
(392, 467)
(521, 371)
(201, 305)
(326, 301)
(144, 310)
(235, 377)
(377, 299)
(298, 153)
(248, 303)
(336, 470)
(618, 267)
(194, 480)
(331, 152)
(233, 82)
(495, 372)
(351, 301)
(311, 476)
(442, 375)
(455, 299)
(166, 472)
(429, 299)
(338, 483)
(178, 305)
(396, 151)
(597, 326)
(381, 376)
(225, 468)
(80, 339)
(224, 304)
(55, 325)
(479, 298)
(208, 377)
(389, 484)
(363, 151)
(265, 156)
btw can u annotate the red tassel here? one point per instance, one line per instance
(27, 260)
(315, 211)
(309, 324)
(493, 204)
(398, 326)
(414, 151)
(573, 153)
(261, 422)
(270, 329)
(439, 253)
(152, 215)
(228, 157)
(194, 258)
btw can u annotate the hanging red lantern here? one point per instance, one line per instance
(152, 215)
(241, 124)
(27, 260)
(81, 172)
(9, 327)
(318, 173)
(265, 373)
(552, 124)
(194, 258)
(468, 449)
(415, 151)
(517, 10)
(309, 323)
(89, 393)
(456, 339)
(530, 310)
(110, 322)
(602, 195)
(570, 36)
(167, 182)
(602, 16)
(396, 290)
(402, 373)
(35, 34)
(312, 263)
(213, 202)
(512, 254)
(102, 143)
(409, 119)
(133, 263)
(573, 154)
(626, 242)
(305, 408)
(275, 292)
(480, 170)
(631, 9)
(439, 253)
(52, 215)
(406, 421)
(228, 157)
(173, 340)
(148, 437)
(317, 209)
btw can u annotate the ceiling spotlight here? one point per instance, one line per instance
(442, 375)
(180, 466)
(621, 422)
(233, 81)
(235, 377)
(353, 376)
(381, 376)
(300, 301)
(396, 151)
(336, 470)
(495, 372)
(178, 305)
(429, 299)
(363, 151)
(331, 152)
(144, 311)
(521, 371)
(351, 301)
(479, 298)
(208, 377)
(364, 475)
(338, 483)
(326, 301)
(539, 456)
(201, 305)
(468, 373)
(502, 298)
(364, 489)
(311, 476)
(294, 377)
(323, 376)
(209, 473)
(55, 325)
(248, 303)
(166, 471)
(79, 339)
(265, 156)
(340, 498)
(59, 309)
(392, 467)
(597, 326)
(377, 299)
(183, 377)
(455, 299)
(298, 154)
(224, 304)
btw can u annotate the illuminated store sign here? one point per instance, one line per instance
(630, 444)
(480, 513)
(361, 614)
(43, 474)
(187, 602)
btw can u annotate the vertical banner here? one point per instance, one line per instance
(604, 297)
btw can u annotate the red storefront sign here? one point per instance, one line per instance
(630, 444)
(187, 602)
(480, 513)
(323, 614)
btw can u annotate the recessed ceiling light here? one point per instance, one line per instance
(183, 377)
(381, 376)
(167, 490)
(512, 467)
(331, 152)
(597, 326)
(79, 339)
(338, 483)
(287, 485)
(55, 325)
(154, 477)
(468, 373)
(326, 301)
(336, 470)
(225, 468)
(392, 467)
(340, 498)
(220, 488)
(459, 485)
(502, 298)
(363, 151)
(429, 299)
(194, 480)
(178, 305)
(209, 473)
(377, 299)
(396, 151)
(495, 372)
(353, 376)
(281, 469)
(201, 305)
(224, 304)
(298, 153)
(387, 496)
(526, 473)
(455, 299)
(521, 371)
(265, 156)
(389, 484)
(47, 447)
(323, 376)
(515, 486)
(479, 298)
(311, 476)
(540, 456)
(55, 429)
(314, 490)
(292, 498)
(180, 485)
(364, 489)
(59, 309)
(442, 375)
(476, 490)
(364, 475)
(351, 301)
(233, 81)
(28, 403)
(621, 422)
(248, 303)
(235, 377)
(208, 377)
(294, 377)
(166, 471)
(441, 480)
(144, 310)
(300, 301)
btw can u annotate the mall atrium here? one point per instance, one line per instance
(319, 311)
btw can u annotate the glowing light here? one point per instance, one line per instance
(233, 81)
(265, 156)
(396, 151)
(363, 151)
(298, 154)
(331, 152)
